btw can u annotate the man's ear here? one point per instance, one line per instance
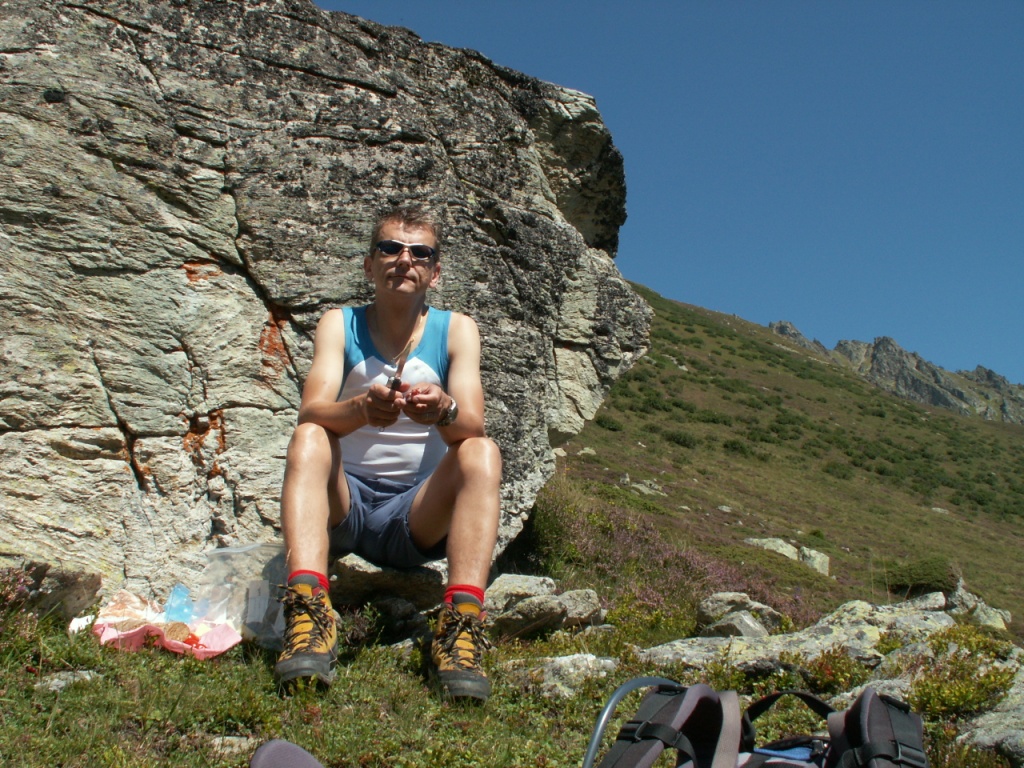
(367, 266)
(436, 277)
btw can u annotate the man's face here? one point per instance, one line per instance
(403, 272)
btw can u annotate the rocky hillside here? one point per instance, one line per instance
(885, 363)
(725, 435)
(186, 186)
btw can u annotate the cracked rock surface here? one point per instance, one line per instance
(186, 186)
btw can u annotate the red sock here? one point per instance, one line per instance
(465, 590)
(320, 577)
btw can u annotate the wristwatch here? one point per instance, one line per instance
(451, 413)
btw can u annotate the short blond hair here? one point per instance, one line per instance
(412, 215)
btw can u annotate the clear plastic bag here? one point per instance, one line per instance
(235, 598)
(240, 586)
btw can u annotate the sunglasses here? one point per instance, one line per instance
(418, 251)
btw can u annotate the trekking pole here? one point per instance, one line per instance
(609, 709)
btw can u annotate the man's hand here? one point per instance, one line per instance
(424, 403)
(383, 404)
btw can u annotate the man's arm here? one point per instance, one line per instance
(427, 403)
(464, 382)
(379, 406)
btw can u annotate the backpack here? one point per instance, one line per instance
(706, 730)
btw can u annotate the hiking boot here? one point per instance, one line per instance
(310, 636)
(456, 652)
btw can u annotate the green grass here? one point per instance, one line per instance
(152, 708)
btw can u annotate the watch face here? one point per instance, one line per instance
(450, 414)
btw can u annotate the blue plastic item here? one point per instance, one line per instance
(179, 605)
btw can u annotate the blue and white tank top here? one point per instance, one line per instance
(405, 452)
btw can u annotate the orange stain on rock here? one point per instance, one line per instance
(272, 346)
(200, 270)
(199, 430)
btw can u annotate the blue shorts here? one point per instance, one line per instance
(377, 526)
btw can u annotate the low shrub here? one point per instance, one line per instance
(740, 448)
(834, 671)
(682, 439)
(18, 625)
(975, 640)
(605, 421)
(839, 469)
(707, 416)
(889, 642)
(966, 676)
(946, 750)
(933, 573)
(788, 717)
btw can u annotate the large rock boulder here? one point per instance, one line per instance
(186, 186)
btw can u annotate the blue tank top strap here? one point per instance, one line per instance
(358, 342)
(433, 348)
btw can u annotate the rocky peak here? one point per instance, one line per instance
(990, 378)
(790, 332)
(886, 364)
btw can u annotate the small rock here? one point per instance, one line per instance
(815, 560)
(736, 624)
(228, 746)
(560, 677)
(582, 607)
(776, 545)
(57, 682)
(359, 581)
(509, 588)
(714, 607)
(531, 616)
(400, 618)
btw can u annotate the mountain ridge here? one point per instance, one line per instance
(883, 362)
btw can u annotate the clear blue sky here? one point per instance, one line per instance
(856, 168)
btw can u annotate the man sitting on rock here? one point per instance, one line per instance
(389, 459)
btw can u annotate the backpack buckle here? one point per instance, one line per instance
(908, 755)
(641, 730)
(628, 731)
(644, 730)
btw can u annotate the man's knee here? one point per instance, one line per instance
(481, 457)
(311, 444)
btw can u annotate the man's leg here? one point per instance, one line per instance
(314, 497)
(461, 500)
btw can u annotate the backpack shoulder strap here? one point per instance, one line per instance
(759, 707)
(701, 724)
(876, 732)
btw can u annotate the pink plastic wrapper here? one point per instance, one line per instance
(128, 621)
(212, 643)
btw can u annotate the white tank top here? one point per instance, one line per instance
(405, 452)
